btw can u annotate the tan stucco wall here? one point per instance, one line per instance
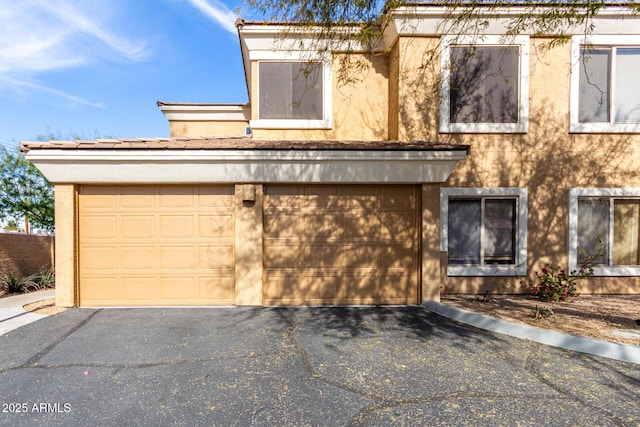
(65, 248)
(248, 244)
(196, 129)
(360, 108)
(547, 160)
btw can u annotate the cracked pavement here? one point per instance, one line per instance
(329, 366)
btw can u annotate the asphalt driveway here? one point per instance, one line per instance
(298, 366)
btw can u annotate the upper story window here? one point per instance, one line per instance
(604, 84)
(484, 231)
(485, 84)
(607, 217)
(292, 93)
(290, 90)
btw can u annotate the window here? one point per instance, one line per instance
(485, 85)
(484, 231)
(290, 90)
(292, 93)
(604, 85)
(610, 216)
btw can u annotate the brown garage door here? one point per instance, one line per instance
(335, 244)
(156, 245)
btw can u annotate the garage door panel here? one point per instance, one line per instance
(361, 226)
(220, 196)
(322, 256)
(99, 258)
(100, 290)
(176, 197)
(396, 198)
(282, 290)
(216, 289)
(282, 226)
(403, 257)
(95, 199)
(215, 258)
(282, 257)
(215, 226)
(136, 197)
(398, 227)
(137, 227)
(360, 256)
(174, 289)
(177, 258)
(321, 227)
(137, 289)
(353, 238)
(176, 227)
(138, 258)
(99, 227)
(399, 287)
(360, 197)
(156, 245)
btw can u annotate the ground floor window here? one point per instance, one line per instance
(484, 230)
(606, 218)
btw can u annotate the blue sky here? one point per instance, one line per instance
(97, 67)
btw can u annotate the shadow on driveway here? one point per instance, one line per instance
(298, 366)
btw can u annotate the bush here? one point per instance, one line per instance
(15, 284)
(555, 284)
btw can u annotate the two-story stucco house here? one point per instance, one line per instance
(451, 164)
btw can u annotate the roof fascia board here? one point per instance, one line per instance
(431, 21)
(213, 112)
(232, 166)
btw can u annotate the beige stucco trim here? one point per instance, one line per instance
(430, 235)
(65, 248)
(206, 112)
(233, 166)
(248, 244)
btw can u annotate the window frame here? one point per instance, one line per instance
(521, 196)
(522, 126)
(327, 79)
(616, 193)
(595, 41)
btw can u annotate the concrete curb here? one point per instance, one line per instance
(596, 347)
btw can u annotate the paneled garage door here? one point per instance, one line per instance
(156, 245)
(338, 244)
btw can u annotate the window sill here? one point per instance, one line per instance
(483, 128)
(289, 124)
(486, 270)
(619, 271)
(604, 128)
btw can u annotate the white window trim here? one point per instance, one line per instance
(523, 109)
(574, 194)
(577, 42)
(327, 79)
(520, 268)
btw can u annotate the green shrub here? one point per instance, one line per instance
(16, 284)
(558, 285)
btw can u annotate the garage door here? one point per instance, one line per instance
(156, 245)
(333, 244)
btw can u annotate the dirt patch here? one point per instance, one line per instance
(593, 316)
(46, 307)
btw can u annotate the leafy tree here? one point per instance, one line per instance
(360, 24)
(25, 194)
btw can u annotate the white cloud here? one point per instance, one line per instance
(23, 84)
(40, 35)
(217, 11)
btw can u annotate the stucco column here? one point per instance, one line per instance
(248, 243)
(65, 244)
(430, 242)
